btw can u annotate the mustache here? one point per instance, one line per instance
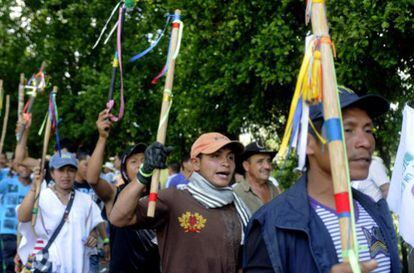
(355, 157)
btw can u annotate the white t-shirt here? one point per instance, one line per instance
(376, 178)
(68, 252)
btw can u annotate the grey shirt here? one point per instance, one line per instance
(252, 201)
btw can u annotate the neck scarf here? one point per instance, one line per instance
(211, 196)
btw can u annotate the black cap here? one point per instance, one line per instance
(374, 105)
(252, 149)
(136, 149)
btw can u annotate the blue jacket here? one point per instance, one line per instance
(287, 236)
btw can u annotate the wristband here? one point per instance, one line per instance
(146, 175)
(143, 178)
(106, 241)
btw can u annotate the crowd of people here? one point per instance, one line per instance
(219, 210)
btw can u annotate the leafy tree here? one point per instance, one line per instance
(236, 71)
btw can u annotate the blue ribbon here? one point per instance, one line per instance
(54, 119)
(332, 128)
(170, 18)
(296, 120)
(344, 214)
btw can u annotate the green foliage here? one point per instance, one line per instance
(236, 70)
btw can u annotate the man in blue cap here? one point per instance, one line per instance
(299, 230)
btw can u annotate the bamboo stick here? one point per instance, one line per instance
(20, 104)
(332, 110)
(1, 96)
(5, 121)
(166, 103)
(46, 139)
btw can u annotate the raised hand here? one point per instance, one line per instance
(104, 123)
(155, 158)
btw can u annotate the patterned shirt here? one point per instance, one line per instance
(12, 193)
(370, 239)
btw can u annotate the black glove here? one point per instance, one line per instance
(155, 158)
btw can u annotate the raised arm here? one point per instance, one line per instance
(20, 152)
(26, 207)
(124, 211)
(105, 191)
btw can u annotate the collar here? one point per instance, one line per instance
(296, 199)
(246, 185)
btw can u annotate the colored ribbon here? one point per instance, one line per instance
(54, 118)
(154, 44)
(176, 22)
(106, 26)
(117, 64)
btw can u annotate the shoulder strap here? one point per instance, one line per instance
(62, 222)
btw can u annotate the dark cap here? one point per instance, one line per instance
(374, 105)
(136, 149)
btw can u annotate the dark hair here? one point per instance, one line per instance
(66, 143)
(81, 155)
(174, 166)
(318, 125)
(185, 159)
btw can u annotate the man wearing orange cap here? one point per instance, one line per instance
(199, 229)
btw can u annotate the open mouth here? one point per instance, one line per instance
(223, 175)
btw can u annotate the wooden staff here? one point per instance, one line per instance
(333, 117)
(42, 161)
(20, 104)
(5, 121)
(165, 107)
(1, 96)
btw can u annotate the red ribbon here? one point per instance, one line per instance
(175, 25)
(153, 196)
(342, 202)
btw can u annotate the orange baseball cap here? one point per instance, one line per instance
(209, 143)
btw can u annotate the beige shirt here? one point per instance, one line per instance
(252, 201)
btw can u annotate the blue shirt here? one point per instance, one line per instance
(12, 193)
(4, 172)
(178, 179)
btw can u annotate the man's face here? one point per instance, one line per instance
(132, 165)
(83, 167)
(117, 163)
(64, 177)
(258, 167)
(360, 144)
(23, 171)
(360, 141)
(187, 168)
(3, 160)
(217, 168)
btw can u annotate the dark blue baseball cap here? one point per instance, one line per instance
(374, 105)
